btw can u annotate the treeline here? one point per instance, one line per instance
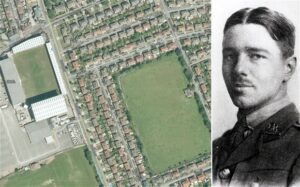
(88, 156)
(187, 72)
(202, 112)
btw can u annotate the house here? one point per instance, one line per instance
(74, 26)
(181, 28)
(125, 5)
(171, 46)
(114, 97)
(141, 168)
(59, 9)
(153, 21)
(82, 22)
(81, 82)
(203, 88)
(108, 12)
(76, 65)
(117, 9)
(114, 24)
(187, 41)
(89, 106)
(122, 34)
(146, 26)
(189, 27)
(138, 28)
(99, 15)
(131, 18)
(186, 183)
(148, 55)
(91, 19)
(139, 14)
(130, 62)
(101, 99)
(129, 31)
(114, 37)
(201, 55)
(106, 114)
(71, 4)
(139, 58)
(88, 98)
(127, 166)
(197, 70)
(163, 49)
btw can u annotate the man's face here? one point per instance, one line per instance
(253, 67)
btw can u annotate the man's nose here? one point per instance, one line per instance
(241, 66)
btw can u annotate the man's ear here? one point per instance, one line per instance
(289, 67)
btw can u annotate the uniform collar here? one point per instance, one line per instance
(270, 129)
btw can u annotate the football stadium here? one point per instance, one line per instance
(33, 80)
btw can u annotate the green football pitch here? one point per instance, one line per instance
(168, 124)
(70, 169)
(35, 70)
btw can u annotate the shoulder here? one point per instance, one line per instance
(223, 139)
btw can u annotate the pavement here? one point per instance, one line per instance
(8, 160)
(16, 149)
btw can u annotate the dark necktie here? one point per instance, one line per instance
(242, 132)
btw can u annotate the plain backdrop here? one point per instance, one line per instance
(223, 111)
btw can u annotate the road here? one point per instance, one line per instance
(53, 38)
(120, 132)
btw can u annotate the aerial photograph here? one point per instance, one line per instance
(105, 93)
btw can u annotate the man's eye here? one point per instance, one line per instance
(256, 56)
(229, 57)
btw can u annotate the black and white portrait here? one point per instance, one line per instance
(255, 93)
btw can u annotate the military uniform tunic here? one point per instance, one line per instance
(267, 155)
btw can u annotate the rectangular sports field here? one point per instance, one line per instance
(35, 70)
(167, 123)
(70, 169)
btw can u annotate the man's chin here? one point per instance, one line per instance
(243, 103)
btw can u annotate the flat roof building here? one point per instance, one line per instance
(56, 68)
(12, 81)
(38, 131)
(28, 44)
(48, 108)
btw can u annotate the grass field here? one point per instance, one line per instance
(35, 71)
(70, 169)
(168, 124)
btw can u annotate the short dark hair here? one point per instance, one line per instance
(278, 26)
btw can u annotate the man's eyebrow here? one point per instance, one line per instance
(227, 49)
(248, 49)
(256, 49)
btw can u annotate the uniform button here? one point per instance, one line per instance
(247, 133)
(224, 173)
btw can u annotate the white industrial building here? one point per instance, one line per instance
(28, 44)
(56, 68)
(48, 108)
(12, 81)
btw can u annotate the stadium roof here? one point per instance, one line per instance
(56, 69)
(12, 82)
(49, 107)
(28, 44)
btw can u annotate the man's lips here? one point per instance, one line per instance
(242, 84)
